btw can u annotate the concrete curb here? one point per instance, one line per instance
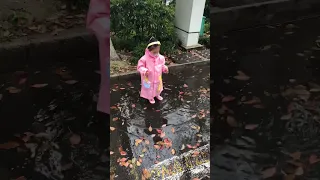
(175, 67)
(184, 165)
(40, 50)
(258, 14)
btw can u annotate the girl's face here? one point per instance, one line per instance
(156, 50)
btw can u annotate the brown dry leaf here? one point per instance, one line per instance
(232, 121)
(71, 81)
(299, 171)
(75, 139)
(163, 134)
(241, 76)
(268, 172)
(112, 128)
(144, 150)
(173, 151)
(195, 153)
(296, 155)
(172, 130)
(314, 87)
(228, 99)
(251, 126)
(156, 146)
(138, 141)
(39, 85)
(9, 145)
(138, 163)
(147, 141)
(150, 128)
(13, 90)
(146, 174)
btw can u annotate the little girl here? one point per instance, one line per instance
(151, 66)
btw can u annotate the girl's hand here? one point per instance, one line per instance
(166, 70)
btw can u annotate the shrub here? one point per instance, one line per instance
(205, 40)
(133, 22)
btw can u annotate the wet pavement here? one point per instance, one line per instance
(143, 135)
(49, 128)
(265, 101)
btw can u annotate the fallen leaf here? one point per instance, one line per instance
(111, 152)
(268, 172)
(146, 141)
(173, 152)
(13, 90)
(189, 146)
(228, 99)
(193, 116)
(241, 76)
(75, 139)
(150, 128)
(39, 85)
(313, 159)
(138, 141)
(172, 130)
(21, 178)
(182, 147)
(138, 163)
(156, 146)
(195, 153)
(164, 125)
(146, 173)
(22, 81)
(123, 153)
(299, 171)
(133, 105)
(112, 128)
(115, 119)
(251, 126)
(185, 85)
(71, 82)
(163, 134)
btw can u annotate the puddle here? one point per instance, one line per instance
(49, 128)
(266, 126)
(180, 121)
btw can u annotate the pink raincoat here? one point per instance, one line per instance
(151, 84)
(98, 22)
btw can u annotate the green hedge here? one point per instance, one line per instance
(133, 22)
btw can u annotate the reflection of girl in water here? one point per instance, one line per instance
(151, 66)
(98, 21)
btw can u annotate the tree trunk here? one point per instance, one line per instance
(113, 54)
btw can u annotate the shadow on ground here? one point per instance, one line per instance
(143, 134)
(265, 101)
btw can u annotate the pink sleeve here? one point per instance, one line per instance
(98, 17)
(164, 67)
(142, 66)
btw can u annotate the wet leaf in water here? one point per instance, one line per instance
(21, 178)
(182, 147)
(269, 172)
(172, 130)
(185, 85)
(138, 141)
(299, 171)
(241, 76)
(259, 106)
(13, 90)
(159, 131)
(75, 139)
(150, 128)
(163, 134)
(173, 151)
(71, 82)
(22, 81)
(138, 163)
(314, 87)
(228, 98)
(144, 150)
(193, 116)
(232, 121)
(156, 146)
(195, 153)
(296, 155)
(146, 141)
(146, 174)
(189, 146)
(164, 125)
(195, 179)
(39, 85)
(251, 126)
(133, 105)
(115, 119)
(123, 153)
(313, 159)
(300, 54)
(288, 33)
(9, 145)
(111, 152)
(254, 100)
(112, 128)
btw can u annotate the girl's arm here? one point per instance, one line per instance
(165, 68)
(142, 66)
(98, 18)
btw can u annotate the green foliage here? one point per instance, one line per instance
(135, 21)
(205, 40)
(207, 9)
(207, 27)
